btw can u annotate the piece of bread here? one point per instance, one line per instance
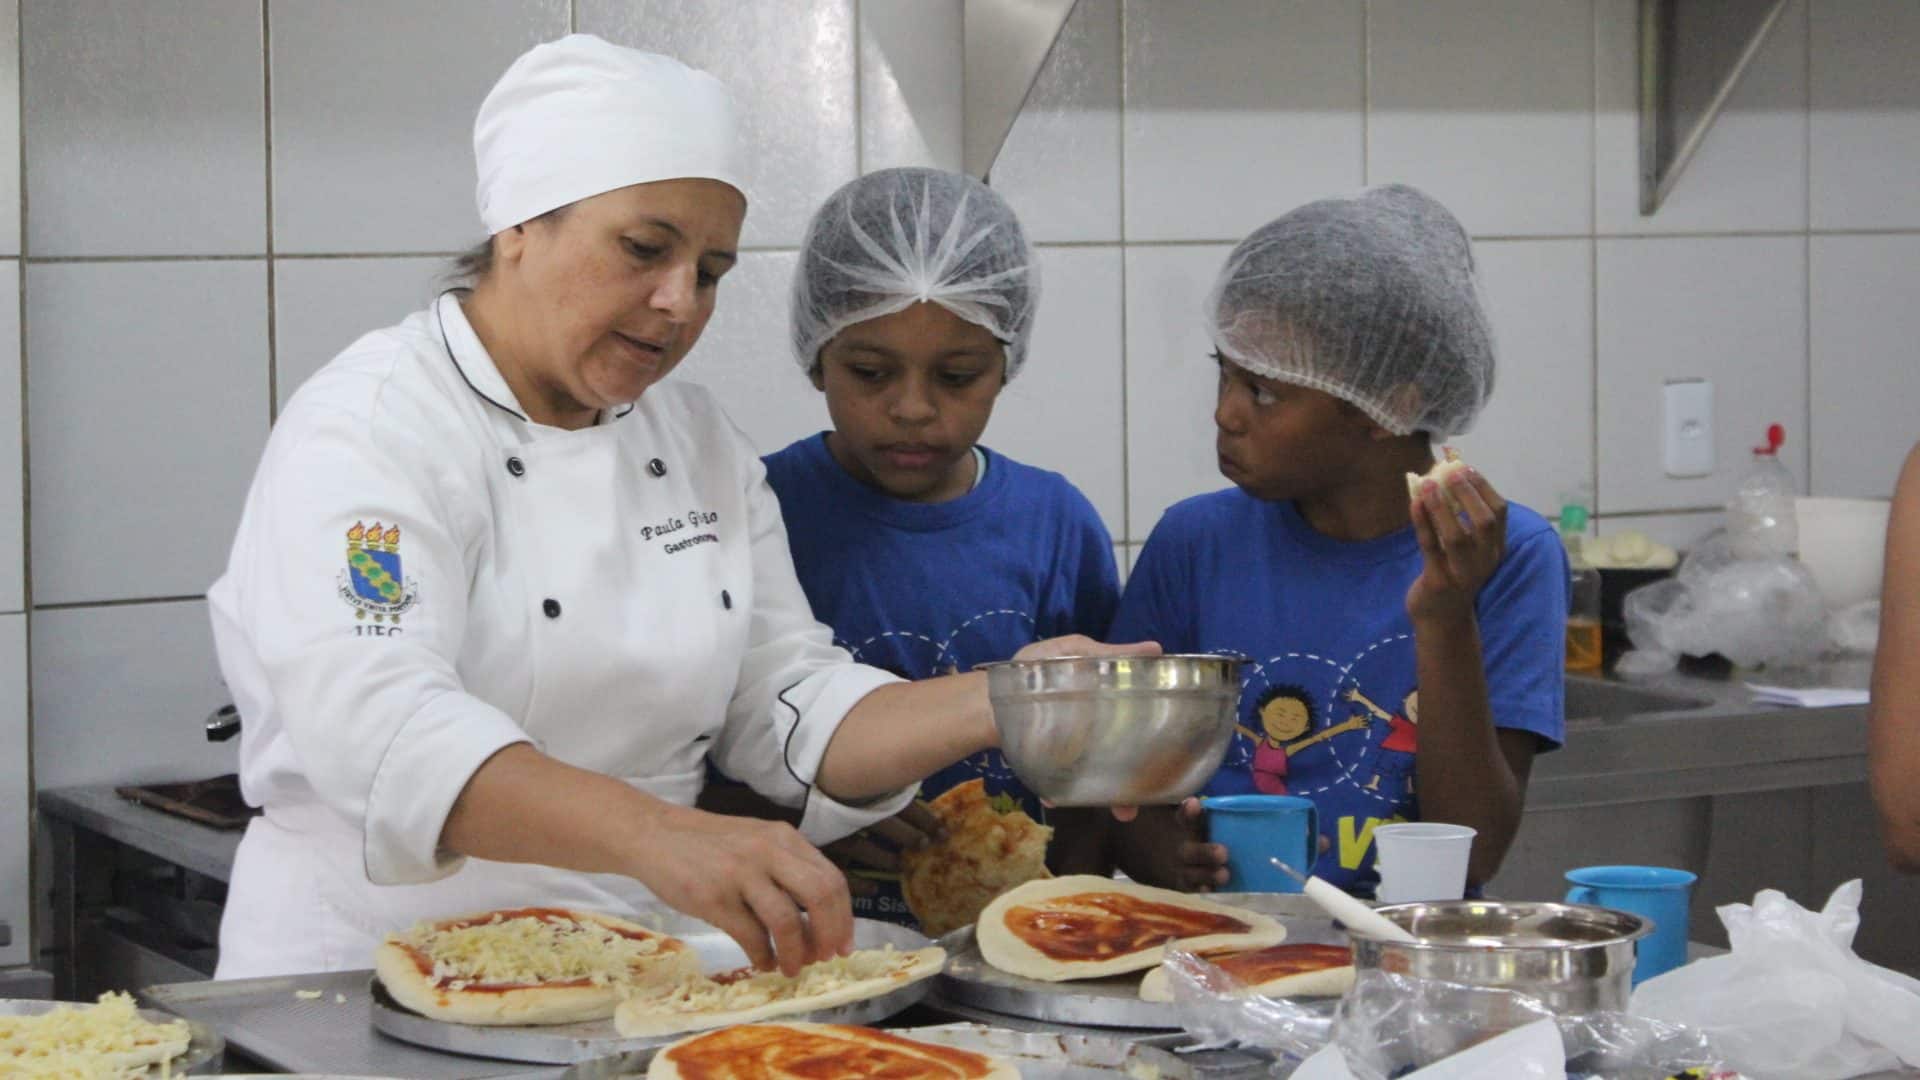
(991, 846)
(795, 1051)
(526, 966)
(1086, 927)
(702, 1002)
(1448, 464)
(1285, 970)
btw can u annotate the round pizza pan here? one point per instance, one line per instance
(205, 1048)
(1112, 1002)
(565, 1044)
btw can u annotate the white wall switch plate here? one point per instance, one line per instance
(1687, 443)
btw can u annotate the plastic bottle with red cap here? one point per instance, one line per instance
(1760, 519)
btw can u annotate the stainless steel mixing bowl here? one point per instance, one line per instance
(1107, 731)
(1571, 958)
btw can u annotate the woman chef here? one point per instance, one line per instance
(499, 591)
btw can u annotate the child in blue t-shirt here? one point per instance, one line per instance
(928, 554)
(1403, 657)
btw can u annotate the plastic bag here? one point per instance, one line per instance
(1752, 611)
(1856, 628)
(1216, 1009)
(1791, 1001)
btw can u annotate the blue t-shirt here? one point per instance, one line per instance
(1322, 623)
(925, 589)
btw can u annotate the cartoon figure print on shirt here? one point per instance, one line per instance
(1311, 727)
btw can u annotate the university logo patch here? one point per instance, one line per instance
(373, 583)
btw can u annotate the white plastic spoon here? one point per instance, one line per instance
(1335, 902)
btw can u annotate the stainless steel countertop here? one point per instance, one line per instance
(200, 848)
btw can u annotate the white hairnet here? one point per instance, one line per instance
(896, 237)
(1371, 298)
(580, 116)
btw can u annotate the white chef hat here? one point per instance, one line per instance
(580, 116)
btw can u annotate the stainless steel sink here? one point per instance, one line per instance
(1597, 698)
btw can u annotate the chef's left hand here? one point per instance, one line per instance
(1460, 548)
(1082, 645)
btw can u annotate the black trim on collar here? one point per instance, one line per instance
(446, 344)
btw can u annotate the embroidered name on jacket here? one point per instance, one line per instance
(693, 519)
(373, 582)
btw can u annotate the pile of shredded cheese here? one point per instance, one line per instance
(93, 1042)
(530, 950)
(704, 994)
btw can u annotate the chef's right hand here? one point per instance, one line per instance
(760, 882)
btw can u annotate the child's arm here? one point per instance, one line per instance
(1466, 773)
(1893, 716)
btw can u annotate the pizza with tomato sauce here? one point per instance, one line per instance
(794, 1051)
(1085, 927)
(527, 966)
(1276, 971)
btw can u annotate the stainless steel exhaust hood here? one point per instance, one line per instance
(1005, 42)
(1692, 54)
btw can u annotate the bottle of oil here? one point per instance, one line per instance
(1583, 601)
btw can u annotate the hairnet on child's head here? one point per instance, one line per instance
(897, 237)
(1372, 298)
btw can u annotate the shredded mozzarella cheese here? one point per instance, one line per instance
(704, 994)
(93, 1042)
(528, 949)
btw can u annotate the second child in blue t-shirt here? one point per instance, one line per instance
(928, 554)
(1403, 656)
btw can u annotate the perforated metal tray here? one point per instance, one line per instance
(205, 1048)
(1102, 1003)
(568, 1043)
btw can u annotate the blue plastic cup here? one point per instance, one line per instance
(1255, 828)
(1654, 892)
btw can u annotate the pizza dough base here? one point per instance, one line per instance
(554, 1005)
(1004, 950)
(665, 1068)
(636, 1017)
(1327, 982)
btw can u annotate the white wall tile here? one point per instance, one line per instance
(1123, 560)
(1238, 111)
(120, 695)
(1064, 410)
(1171, 382)
(1866, 361)
(1060, 166)
(1535, 438)
(1488, 107)
(323, 305)
(746, 355)
(1728, 309)
(1677, 531)
(12, 512)
(1750, 173)
(789, 64)
(148, 414)
(1866, 114)
(148, 129)
(9, 127)
(373, 107)
(910, 82)
(16, 801)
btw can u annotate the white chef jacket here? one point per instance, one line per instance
(423, 576)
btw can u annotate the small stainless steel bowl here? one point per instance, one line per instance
(1109, 731)
(1571, 958)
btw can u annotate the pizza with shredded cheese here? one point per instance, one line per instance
(700, 1002)
(991, 845)
(1087, 927)
(108, 1040)
(1286, 970)
(796, 1051)
(526, 965)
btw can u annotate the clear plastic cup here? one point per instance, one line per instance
(1422, 860)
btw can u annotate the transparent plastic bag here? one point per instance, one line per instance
(1856, 628)
(1752, 611)
(1216, 1008)
(1792, 1001)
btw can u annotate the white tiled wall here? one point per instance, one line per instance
(15, 897)
(222, 193)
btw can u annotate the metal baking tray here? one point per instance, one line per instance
(205, 1048)
(561, 1044)
(1038, 1055)
(1103, 1003)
